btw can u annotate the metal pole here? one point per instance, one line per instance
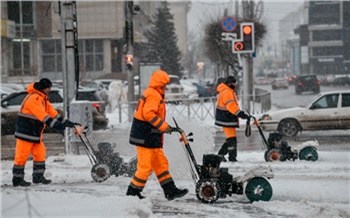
(130, 51)
(246, 102)
(68, 60)
(21, 35)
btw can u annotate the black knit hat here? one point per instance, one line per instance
(43, 84)
(230, 79)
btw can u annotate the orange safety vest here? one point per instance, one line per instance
(227, 107)
(149, 120)
(35, 110)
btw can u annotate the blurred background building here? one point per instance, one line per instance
(315, 39)
(31, 37)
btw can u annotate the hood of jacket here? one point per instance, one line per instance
(222, 86)
(159, 79)
(31, 89)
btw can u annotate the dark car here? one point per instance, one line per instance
(341, 81)
(11, 103)
(306, 83)
(204, 91)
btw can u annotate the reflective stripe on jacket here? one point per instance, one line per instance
(149, 120)
(227, 107)
(34, 112)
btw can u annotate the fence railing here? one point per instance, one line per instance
(200, 109)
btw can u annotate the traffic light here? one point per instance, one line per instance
(129, 59)
(246, 43)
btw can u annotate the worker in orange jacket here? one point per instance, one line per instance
(226, 116)
(35, 114)
(146, 133)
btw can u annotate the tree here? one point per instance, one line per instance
(219, 51)
(162, 41)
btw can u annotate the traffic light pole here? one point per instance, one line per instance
(130, 51)
(246, 81)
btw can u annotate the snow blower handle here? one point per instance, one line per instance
(248, 129)
(80, 130)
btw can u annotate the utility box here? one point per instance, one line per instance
(80, 112)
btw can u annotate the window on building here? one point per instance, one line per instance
(14, 9)
(324, 12)
(327, 51)
(51, 55)
(91, 55)
(21, 47)
(327, 35)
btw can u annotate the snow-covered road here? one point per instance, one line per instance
(300, 188)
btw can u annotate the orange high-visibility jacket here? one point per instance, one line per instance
(227, 107)
(35, 111)
(149, 120)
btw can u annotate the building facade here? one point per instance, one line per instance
(31, 49)
(322, 46)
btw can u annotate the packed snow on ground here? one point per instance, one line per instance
(300, 188)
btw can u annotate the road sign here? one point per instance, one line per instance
(228, 36)
(228, 23)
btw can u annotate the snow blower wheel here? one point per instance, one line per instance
(258, 189)
(207, 190)
(100, 172)
(308, 154)
(273, 155)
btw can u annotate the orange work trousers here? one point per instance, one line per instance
(229, 132)
(24, 149)
(149, 159)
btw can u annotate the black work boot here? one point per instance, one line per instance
(171, 191)
(223, 151)
(18, 176)
(232, 149)
(38, 173)
(134, 192)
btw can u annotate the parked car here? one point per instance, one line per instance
(106, 82)
(260, 80)
(100, 88)
(306, 83)
(202, 90)
(341, 81)
(190, 91)
(11, 103)
(279, 83)
(328, 110)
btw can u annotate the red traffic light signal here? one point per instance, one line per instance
(129, 59)
(246, 42)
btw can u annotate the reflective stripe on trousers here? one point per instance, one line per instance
(149, 159)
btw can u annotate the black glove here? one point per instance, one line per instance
(71, 124)
(58, 125)
(168, 130)
(243, 115)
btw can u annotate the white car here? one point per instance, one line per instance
(174, 90)
(328, 110)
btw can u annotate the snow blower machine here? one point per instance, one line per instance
(105, 162)
(213, 182)
(277, 149)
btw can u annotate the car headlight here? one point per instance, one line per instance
(266, 117)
